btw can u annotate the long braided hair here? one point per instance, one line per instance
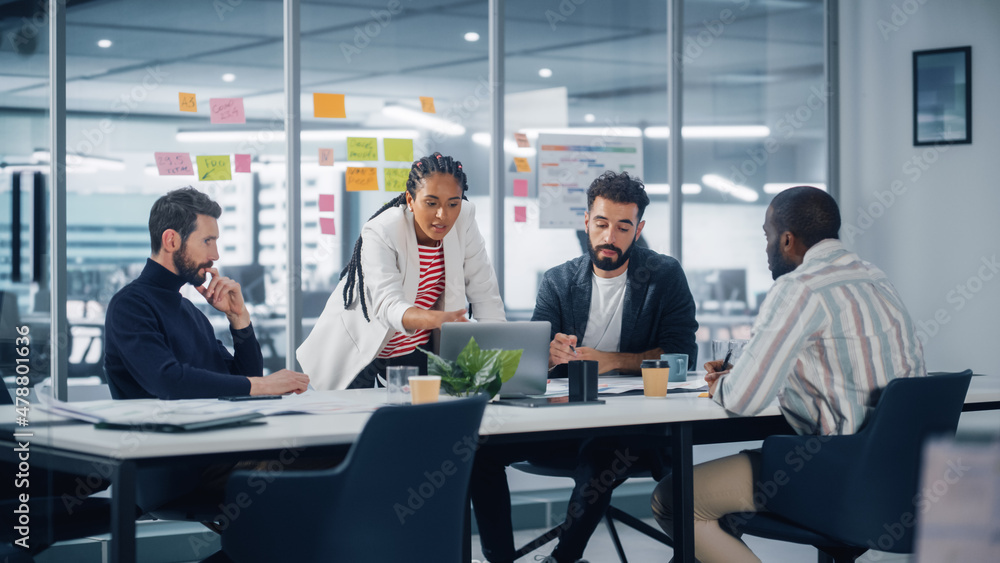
(421, 169)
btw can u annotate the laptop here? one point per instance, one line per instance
(530, 336)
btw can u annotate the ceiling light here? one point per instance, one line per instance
(778, 187)
(711, 132)
(424, 120)
(267, 136)
(609, 131)
(472, 37)
(228, 77)
(81, 162)
(725, 186)
(545, 72)
(104, 43)
(589, 118)
(664, 189)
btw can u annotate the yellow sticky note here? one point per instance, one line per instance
(188, 102)
(362, 148)
(427, 104)
(395, 179)
(362, 179)
(398, 150)
(214, 168)
(521, 164)
(328, 105)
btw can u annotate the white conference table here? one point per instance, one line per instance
(684, 418)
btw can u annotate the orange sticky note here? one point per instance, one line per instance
(326, 157)
(328, 105)
(188, 102)
(522, 140)
(362, 179)
(427, 104)
(521, 164)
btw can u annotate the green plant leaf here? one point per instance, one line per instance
(509, 360)
(436, 365)
(493, 387)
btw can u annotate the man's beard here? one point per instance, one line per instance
(779, 265)
(609, 264)
(186, 269)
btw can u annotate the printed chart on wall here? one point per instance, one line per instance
(567, 164)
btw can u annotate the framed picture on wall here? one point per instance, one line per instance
(942, 96)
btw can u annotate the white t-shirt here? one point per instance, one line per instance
(604, 326)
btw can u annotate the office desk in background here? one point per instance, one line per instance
(685, 419)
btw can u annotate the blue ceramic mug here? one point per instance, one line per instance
(678, 366)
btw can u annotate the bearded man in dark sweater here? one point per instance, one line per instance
(158, 344)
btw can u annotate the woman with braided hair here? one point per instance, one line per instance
(418, 261)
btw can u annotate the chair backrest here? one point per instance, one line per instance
(857, 488)
(398, 496)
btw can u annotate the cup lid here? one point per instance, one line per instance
(655, 364)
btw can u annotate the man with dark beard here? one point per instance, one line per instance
(158, 344)
(622, 304)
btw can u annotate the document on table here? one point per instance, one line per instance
(611, 385)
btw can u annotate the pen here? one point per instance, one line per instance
(725, 362)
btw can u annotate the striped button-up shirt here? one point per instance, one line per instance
(829, 334)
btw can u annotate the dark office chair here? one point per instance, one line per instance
(400, 494)
(844, 493)
(644, 468)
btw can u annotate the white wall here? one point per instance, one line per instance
(935, 239)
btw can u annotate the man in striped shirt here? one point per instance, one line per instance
(831, 333)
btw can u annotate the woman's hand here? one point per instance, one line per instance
(416, 318)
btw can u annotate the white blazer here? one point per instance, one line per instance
(342, 343)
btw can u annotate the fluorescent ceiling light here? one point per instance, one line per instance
(609, 131)
(484, 139)
(425, 120)
(472, 37)
(265, 136)
(778, 187)
(590, 118)
(712, 132)
(725, 186)
(545, 72)
(664, 189)
(228, 77)
(104, 43)
(83, 163)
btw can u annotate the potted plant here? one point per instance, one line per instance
(475, 370)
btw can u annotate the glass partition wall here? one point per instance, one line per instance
(585, 91)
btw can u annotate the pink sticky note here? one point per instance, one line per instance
(326, 226)
(520, 188)
(520, 214)
(174, 163)
(326, 157)
(326, 202)
(243, 163)
(227, 110)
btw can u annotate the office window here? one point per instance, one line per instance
(755, 123)
(582, 83)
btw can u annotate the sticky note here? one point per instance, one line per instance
(521, 164)
(214, 168)
(427, 104)
(326, 202)
(242, 163)
(328, 105)
(362, 148)
(398, 150)
(174, 163)
(327, 226)
(188, 102)
(326, 157)
(520, 188)
(522, 140)
(362, 179)
(520, 214)
(227, 110)
(395, 179)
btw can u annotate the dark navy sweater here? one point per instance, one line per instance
(159, 345)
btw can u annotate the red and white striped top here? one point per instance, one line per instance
(430, 288)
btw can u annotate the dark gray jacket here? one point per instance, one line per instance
(658, 311)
